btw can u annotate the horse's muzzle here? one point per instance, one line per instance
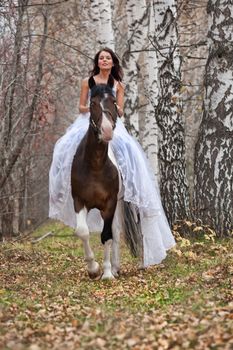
(107, 133)
(106, 129)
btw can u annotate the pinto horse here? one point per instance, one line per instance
(95, 183)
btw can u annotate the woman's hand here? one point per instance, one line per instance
(119, 110)
(84, 109)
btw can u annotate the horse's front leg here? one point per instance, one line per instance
(106, 239)
(82, 232)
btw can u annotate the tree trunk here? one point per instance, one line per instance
(148, 98)
(101, 14)
(148, 128)
(106, 30)
(137, 18)
(173, 183)
(213, 195)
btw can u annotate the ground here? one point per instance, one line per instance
(47, 300)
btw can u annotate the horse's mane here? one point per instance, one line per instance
(101, 89)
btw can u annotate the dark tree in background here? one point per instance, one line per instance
(169, 117)
(213, 192)
(21, 87)
(42, 63)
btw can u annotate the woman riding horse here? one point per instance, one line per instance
(139, 185)
(95, 180)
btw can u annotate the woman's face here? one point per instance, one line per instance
(105, 60)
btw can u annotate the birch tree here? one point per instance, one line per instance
(101, 13)
(213, 193)
(148, 128)
(137, 18)
(173, 183)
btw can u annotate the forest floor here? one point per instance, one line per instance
(47, 300)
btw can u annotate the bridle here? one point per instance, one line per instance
(95, 126)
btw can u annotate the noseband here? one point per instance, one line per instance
(96, 127)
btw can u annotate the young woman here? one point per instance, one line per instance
(140, 187)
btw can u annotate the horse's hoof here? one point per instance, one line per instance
(94, 272)
(94, 275)
(141, 266)
(107, 276)
(115, 272)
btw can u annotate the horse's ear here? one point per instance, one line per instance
(110, 81)
(91, 82)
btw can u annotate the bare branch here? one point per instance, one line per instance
(39, 4)
(61, 42)
(50, 233)
(201, 43)
(17, 149)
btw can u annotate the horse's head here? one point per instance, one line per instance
(103, 111)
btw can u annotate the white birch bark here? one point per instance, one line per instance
(101, 14)
(94, 22)
(213, 197)
(106, 30)
(137, 18)
(148, 129)
(173, 182)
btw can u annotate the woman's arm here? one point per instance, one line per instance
(83, 108)
(120, 98)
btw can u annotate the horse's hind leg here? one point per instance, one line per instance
(117, 230)
(82, 232)
(107, 261)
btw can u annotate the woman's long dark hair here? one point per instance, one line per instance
(116, 71)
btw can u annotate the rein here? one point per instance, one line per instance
(95, 127)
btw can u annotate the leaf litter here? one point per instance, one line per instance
(47, 300)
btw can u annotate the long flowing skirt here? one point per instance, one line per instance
(140, 188)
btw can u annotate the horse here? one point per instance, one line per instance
(96, 183)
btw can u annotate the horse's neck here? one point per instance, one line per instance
(96, 153)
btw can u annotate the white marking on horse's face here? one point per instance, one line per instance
(106, 127)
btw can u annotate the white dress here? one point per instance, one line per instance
(140, 187)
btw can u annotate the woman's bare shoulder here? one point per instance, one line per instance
(120, 86)
(85, 82)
